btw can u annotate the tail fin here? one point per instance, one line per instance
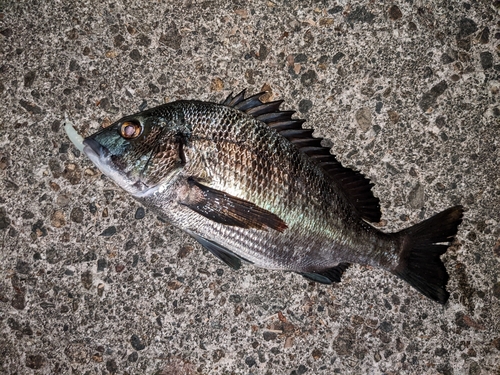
(423, 244)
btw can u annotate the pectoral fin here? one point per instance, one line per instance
(229, 210)
(227, 256)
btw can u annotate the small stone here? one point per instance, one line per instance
(133, 357)
(486, 60)
(73, 65)
(416, 196)
(337, 57)
(467, 27)
(305, 105)
(217, 84)
(184, 251)
(4, 219)
(393, 116)
(496, 343)
(23, 267)
(361, 15)
(136, 343)
(6, 32)
(328, 21)
(364, 118)
(496, 290)
(250, 361)
(63, 200)
(300, 58)
(309, 78)
(35, 361)
(301, 370)
(143, 40)
(440, 352)
(119, 268)
(249, 76)
(29, 78)
(101, 264)
(263, 52)
(57, 219)
(496, 248)
(395, 13)
(269, 336)
(108, 232)
(76, 215)
(135, 55)
(474, 368)
(484, 36)
(235, 298)
(19, 300)
(30, 107)
(140, 213)
(447, 59)
(111, 54)
(386, 327)
(86, 279)
(118, 40)
(218, 354)
(316, 354)
(111, 366)
(429, 98)
(172, 38)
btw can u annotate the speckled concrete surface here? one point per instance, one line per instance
(90, 283)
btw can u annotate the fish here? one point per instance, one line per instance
(248, 182)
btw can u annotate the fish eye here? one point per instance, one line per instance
(131, 129)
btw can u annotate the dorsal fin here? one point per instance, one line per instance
(357, 187)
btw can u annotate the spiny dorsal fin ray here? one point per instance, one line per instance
(356, 186)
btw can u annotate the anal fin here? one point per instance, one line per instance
(225, 255)
(328, 276)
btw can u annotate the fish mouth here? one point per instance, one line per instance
(101, 157)
(94, 150)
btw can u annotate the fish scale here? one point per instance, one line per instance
(249, 183)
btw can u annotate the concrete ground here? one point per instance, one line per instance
(91, 283)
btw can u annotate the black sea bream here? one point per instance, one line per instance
(247, 182)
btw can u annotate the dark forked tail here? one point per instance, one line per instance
(423, 244)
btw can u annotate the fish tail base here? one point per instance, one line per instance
(423, 244)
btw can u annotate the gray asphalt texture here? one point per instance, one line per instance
(91, 283)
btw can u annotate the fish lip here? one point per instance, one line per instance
(94, 150)
(101, 157)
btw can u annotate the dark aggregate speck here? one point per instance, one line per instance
(35, 361)
(466, 26)
(111, 366)
(305, 105)
(360, 15)
(136, 343)
(486, 60)
(76, 215)
(133, 357)
(140, 213)
(250, 361)
(337, 57)
(4, 219)
(309, 78)
(23, 267)
(108, 232)
(135, 55)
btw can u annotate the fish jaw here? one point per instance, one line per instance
(101, 157)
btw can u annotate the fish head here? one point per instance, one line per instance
(140, 152)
